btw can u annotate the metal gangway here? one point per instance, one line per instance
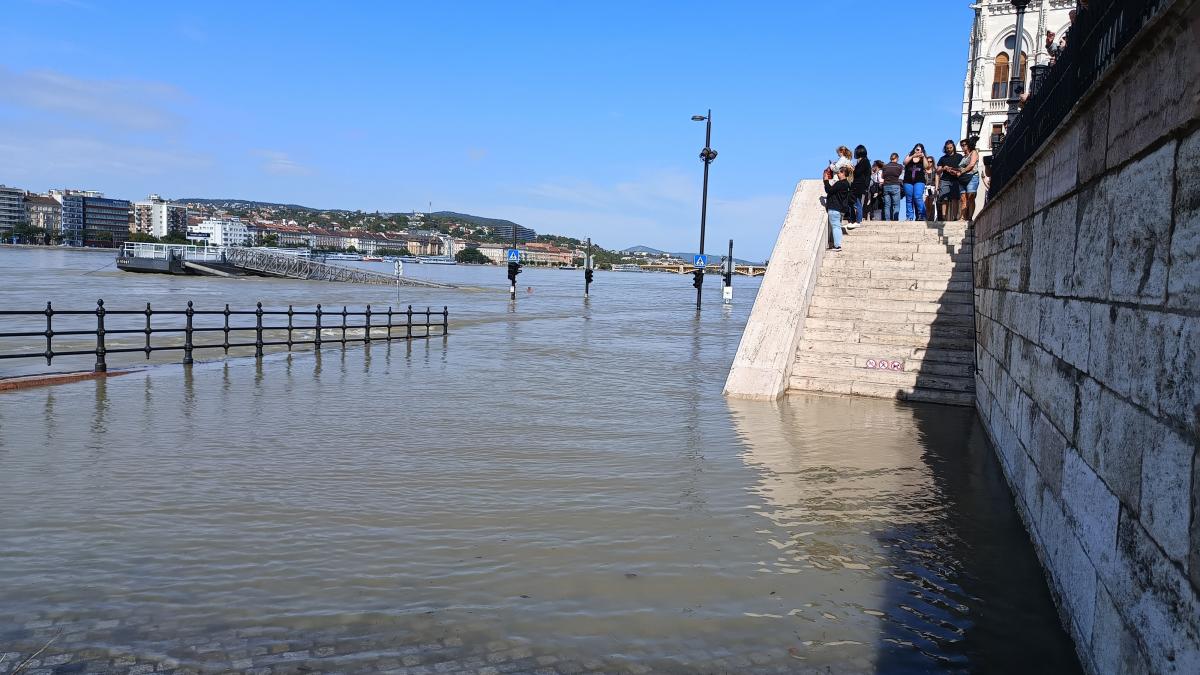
(297, 267)
(265, 262)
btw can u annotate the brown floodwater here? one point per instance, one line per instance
(558, 486)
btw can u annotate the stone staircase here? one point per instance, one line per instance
(891, 316)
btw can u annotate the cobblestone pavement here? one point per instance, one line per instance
(75, 648)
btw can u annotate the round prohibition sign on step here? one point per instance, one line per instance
(883, 364)
(896, 365)
(870, 363)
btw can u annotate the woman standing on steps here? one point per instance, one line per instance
(968, 178)
(861, 183)
(837, 198)
(914, 183)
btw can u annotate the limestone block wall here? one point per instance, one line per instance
(1087, 285)
(763, 363)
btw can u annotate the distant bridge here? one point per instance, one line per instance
(715, 268)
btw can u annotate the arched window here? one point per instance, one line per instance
(1001, 75)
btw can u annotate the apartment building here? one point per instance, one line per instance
(158, 217)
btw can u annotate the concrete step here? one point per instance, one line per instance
(912, 365)
(885, 316)
(854, 244)
(891, 352)
(883, 338)
(934, 274)
(913, 295)
(874, 390)
(830, 298)
(849, 253)
(883, 237)
(897, 378)
(893, 284)
(845, 261)
(917, 225)
(901, 328)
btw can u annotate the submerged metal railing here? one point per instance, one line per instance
(1095, 39)
(344, 326)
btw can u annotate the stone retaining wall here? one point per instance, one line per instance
(763, 363)
(1087, 284)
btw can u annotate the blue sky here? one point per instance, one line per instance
(568, 117)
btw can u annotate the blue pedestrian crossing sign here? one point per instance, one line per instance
(700, 262)
(514, 255)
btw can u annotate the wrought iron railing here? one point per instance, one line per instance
(1096, 38)
(317, 327)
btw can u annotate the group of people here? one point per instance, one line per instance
(857, 188)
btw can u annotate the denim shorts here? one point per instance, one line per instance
(973, 186)
(948, 189)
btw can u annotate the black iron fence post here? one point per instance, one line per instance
(389, 337)
(289, 340)
(225, 344)
(101, 366)
(49, 333)
(317, 331)
(408, 325)
(343, 325)
(426, 321)
(149, 313)
(445, 320)
(258, 338)
(187, 335)
(367, 329)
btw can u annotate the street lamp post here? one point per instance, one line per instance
(1015, 83)
(707, 155)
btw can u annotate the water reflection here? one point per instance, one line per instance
(875, 494)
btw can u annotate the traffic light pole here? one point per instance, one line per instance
(587, 269)
(727, 273)
(514, 268)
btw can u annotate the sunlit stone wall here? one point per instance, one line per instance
(1087, 276)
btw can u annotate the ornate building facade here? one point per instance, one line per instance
(989, 61)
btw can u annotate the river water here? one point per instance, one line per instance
(556, 487)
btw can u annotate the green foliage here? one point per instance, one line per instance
(471, 255)
(143, 237)
(397, 252)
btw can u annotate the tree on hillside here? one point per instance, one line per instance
(471, 256)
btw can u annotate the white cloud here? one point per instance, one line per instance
(279, 163)
(52, 157)
(125, 104)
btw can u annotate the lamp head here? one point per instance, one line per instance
(698, 118)
(976, 122)
(1020, 4)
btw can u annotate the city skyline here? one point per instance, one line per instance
(566, 120)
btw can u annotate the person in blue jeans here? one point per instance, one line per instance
(837, 199)
(893, 188)
(914, 183)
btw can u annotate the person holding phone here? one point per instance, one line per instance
(914, 183)
(837, 199)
